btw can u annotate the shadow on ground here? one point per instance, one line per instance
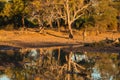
(57, 35)
(21, 44)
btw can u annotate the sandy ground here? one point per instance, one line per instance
(32, 39)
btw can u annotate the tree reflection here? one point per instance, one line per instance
(59, 64)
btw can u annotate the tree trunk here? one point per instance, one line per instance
(58, 24)
(69, 65)
(51, 26)
(69, 20)
(70, 32)
(58, 56)
(84, 34)
(23, 22)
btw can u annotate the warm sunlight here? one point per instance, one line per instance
(59, 39)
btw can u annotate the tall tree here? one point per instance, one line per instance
(73, 10)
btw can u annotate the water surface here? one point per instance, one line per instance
(58, 64)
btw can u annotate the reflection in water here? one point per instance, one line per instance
(78, 56)
(95, 74)
(4, 77)
(33, 54)
(58, 64)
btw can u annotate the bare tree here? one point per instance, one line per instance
(44, 11)
(74, 10)
(69, 10)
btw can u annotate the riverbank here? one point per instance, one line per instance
(32, 39)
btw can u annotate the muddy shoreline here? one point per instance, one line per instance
(74, 47)
(27, 39)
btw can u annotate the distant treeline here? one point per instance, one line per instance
(77, 14)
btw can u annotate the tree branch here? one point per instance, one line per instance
(76, 18)
(79, 10)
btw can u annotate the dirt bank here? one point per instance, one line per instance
(30, 39)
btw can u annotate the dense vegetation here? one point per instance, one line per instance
(100, 15)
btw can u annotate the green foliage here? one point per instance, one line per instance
(17, 6)
(6, 10)
(2, 4)
(116, 5)
(15, 12)
(101, 13)
(105, 15)
(84, 21)
(13, 8)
